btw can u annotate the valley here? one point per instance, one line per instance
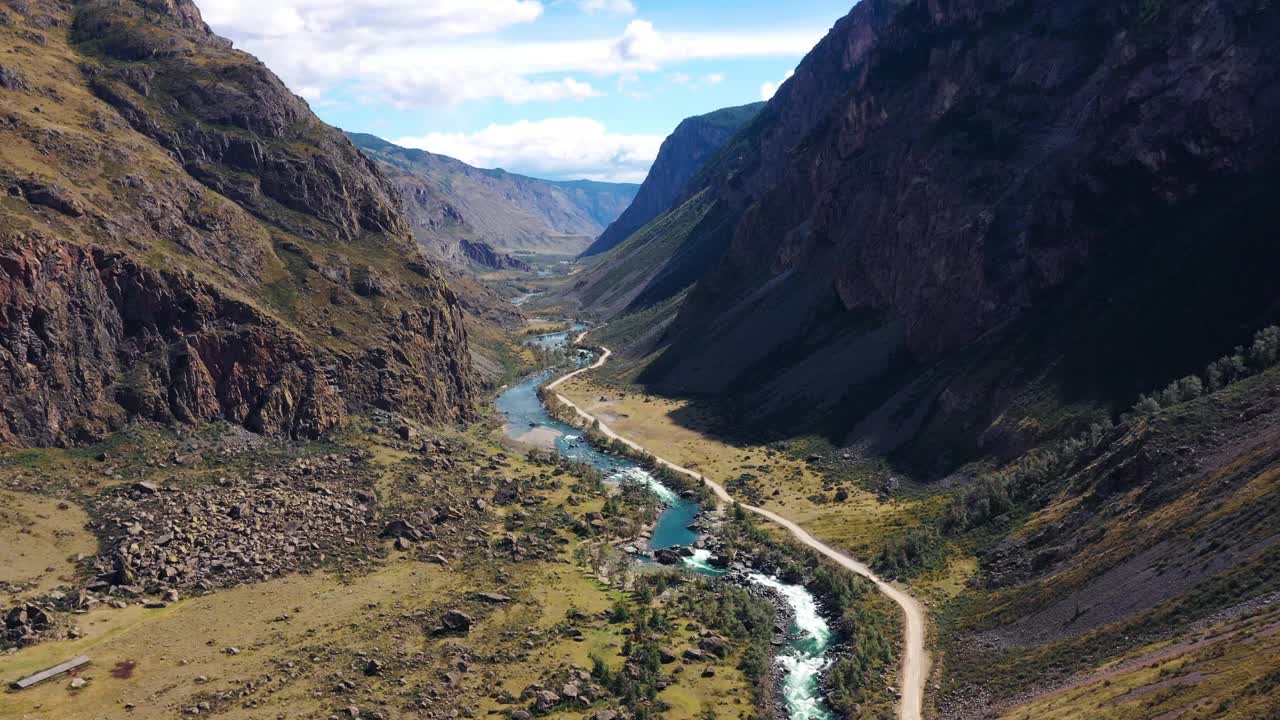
(914, 661)
(896, 360)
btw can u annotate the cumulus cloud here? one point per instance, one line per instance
(417, 53)
(768, 89)
(569, 147)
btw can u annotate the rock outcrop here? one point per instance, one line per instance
(694, 141)
(483, 255)
(193, 244)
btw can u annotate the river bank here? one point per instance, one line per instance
(804, 636)
(914, 667)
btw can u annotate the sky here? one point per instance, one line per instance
(562, 89)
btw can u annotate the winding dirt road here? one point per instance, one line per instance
(915, 661)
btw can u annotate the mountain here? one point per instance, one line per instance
(905, 216)
(183, 240)
(448, 201)
(682, 154)
(956, 248)
(667, 239)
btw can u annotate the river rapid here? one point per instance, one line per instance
(806, 655)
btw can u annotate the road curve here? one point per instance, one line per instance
(915, 661)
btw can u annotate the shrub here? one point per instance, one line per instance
(919, 549)
(1265, 349)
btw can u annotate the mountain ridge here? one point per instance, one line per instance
(449, 201)
(682, 154)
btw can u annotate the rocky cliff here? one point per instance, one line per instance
(943, 181)
(694, 141)
(448, 201)
(183, 240)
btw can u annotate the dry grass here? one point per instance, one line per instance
(787, 484)
(42, 537)
(1198, 677)
(331, 620)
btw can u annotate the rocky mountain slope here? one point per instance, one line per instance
(939, 183)
(449, 202)
(670, 236)
(694, 141)
(184, 240)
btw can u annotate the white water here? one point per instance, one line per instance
(701, 562)
(805, 659)
(641, 476)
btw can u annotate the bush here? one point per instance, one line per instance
(920, 549)
(986, 500)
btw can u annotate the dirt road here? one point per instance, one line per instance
(915, 661)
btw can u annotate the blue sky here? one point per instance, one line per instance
(553, 88)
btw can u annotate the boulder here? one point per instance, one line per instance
(667, 556)
(456, 621)
(545, 699)
(715, 645)
(400, 528)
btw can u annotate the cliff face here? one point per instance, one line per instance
(694, 141)
(940, 181)
(485, 256)
(183, 240)
(449, 201)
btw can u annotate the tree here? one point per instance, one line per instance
(1145, 406)
(1265, 349)
(1190, 388)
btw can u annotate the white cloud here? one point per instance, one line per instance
(407, 88)
(417, 53)
(569, 147)
(617, 7)
(443, 17)
(695, 83)
(769, 88)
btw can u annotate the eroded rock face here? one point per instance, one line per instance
(233, 124)
(484, 255)
(90, 338)
(196, 245)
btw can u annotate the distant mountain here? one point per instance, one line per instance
(448, 201)
(683, 153)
